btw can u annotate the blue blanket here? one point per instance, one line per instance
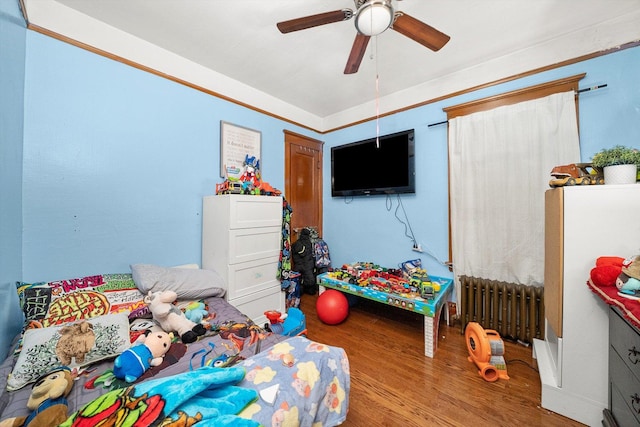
(207, 396)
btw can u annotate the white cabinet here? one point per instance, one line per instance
(241, 240)
(582, 223)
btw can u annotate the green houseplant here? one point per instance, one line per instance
(620, 164)
(618, 155)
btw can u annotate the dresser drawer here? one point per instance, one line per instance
(624, 339)
(252, 244)
(249, 277)
(255, 305)
(623, 389)
(254, 211)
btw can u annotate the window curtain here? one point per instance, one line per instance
(500, 162)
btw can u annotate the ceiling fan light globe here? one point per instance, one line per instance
(374, 17)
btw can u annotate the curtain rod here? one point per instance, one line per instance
(587, 89)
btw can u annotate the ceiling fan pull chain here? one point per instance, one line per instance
(377, 98)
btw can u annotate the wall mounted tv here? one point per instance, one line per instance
(363, 168)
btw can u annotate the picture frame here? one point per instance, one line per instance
(236, 142)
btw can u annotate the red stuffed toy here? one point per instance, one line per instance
(606, 271)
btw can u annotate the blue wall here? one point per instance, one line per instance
(366, 229)
(12, 67)
(116, 162)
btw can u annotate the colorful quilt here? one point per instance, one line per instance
(300, 383)
(311, 381)
(206, 396)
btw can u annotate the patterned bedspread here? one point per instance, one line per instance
(298, 381)
(313, 379)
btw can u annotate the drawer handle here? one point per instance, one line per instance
(633, 352)
(635, 403)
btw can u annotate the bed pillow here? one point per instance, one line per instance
(188, 283)
(53, 303)
(66, 345)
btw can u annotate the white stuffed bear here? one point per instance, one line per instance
(170, 318)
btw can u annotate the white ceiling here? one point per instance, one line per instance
(233, 47)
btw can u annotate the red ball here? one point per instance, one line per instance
(332, 307)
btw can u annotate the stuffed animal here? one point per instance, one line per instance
(170, 318)
(48, 401)
(149, 350)
(628, 280)
(75, 342)
(196, 311)
(606, 271)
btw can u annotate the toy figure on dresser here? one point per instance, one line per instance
(250, 178)
(304, 261)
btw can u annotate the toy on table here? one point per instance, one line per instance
(149, 350)
(48, 400)
(170, 318)
(409, 281)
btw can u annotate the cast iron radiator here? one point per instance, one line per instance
(513, 310)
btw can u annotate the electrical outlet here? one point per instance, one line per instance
(417, 248)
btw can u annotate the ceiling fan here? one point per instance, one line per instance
(372, 17)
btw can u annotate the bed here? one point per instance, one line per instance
(268, 379)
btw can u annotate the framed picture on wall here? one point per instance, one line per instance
(236, 142)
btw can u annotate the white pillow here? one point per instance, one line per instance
(188, 283)
(46, 348)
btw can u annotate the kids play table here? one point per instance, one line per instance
(430, 308)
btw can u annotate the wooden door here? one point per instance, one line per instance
(303, 181)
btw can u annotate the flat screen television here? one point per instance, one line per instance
(365, 168)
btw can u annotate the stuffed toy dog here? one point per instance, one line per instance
(48, 401)
(170, 318)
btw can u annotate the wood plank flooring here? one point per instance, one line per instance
(394, 384)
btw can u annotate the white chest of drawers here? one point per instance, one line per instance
(241, 240)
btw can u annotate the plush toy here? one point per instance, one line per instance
(628, 280)
(606, 271)
(196, 311)
(170, 318)
(48, 401)
(148, 350)
(75, 342)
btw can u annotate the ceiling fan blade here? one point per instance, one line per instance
(357, 53)
(417, 30)
(314, 20)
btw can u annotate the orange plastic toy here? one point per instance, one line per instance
(486, 350)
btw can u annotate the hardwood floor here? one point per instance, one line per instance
(394, 384)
